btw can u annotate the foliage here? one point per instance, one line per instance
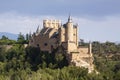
(41, 59)
(105, 48)
(20, 63)
(6, 41)
(21, 39)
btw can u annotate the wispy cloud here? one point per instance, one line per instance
(10, 22)
(106, 28)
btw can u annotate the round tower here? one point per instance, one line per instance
(69, 29)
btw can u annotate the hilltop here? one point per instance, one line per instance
(9, 35)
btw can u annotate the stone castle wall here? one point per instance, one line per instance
(54, 35)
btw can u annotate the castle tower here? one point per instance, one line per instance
(90, 49)
(61, 34)
(69, 35)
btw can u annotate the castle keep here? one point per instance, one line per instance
(54, 35)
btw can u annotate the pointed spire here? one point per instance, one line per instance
(69, 18)
(37, 29)
(30, 35)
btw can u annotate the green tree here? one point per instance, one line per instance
(21, 39)
(96, 47)
(117, 76)
(4, 37)
(61, 60)
(2, 54)
(27, 38)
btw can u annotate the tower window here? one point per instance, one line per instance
(45, 44)
(37, 45)
(74, 34)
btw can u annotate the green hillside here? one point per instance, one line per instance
(29, 63)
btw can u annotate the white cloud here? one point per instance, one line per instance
(106, 28)
(15, 23)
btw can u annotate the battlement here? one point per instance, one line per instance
(51, 23)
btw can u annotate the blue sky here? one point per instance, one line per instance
(98, 19)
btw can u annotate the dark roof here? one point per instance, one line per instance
(49, 30)
(55, 34)
(43, 30)
(74, 26)
(64, 25)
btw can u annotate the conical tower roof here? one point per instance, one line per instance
(69, 19)
(38, 29)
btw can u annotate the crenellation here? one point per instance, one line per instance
(51, 23)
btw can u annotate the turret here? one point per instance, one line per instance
(38, 30)
(90, 48)
(69, 30)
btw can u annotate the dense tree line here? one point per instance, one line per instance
(105, 48)
(20, 63)
(22, 39)
(6, 41)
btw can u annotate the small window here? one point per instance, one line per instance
(37, 45)
(45, 44)
(51, 46)
(74, 34)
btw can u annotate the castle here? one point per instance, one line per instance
(54, 35)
